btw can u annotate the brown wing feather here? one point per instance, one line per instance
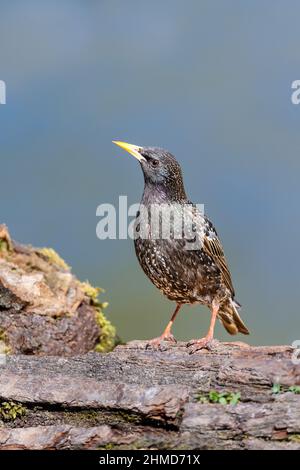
(213, 247)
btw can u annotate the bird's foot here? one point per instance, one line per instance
(204, 343)
(158, 343)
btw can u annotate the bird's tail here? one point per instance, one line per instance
(229, 316)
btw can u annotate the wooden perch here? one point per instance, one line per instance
(136, 398)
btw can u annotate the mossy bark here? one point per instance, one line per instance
(44, 308)
(138, 398)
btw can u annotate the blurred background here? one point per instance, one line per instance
(208, 80)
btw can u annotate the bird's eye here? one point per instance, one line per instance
(154, 163)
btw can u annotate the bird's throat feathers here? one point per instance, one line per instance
(159, 193)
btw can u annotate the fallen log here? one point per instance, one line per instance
(233, 397)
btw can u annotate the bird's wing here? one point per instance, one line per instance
(213, 247)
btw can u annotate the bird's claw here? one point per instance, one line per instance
(158, 343)
(170, 338)
(203, 343)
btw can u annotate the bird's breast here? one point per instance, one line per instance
(182, 275)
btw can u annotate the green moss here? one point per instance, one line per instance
(91, 291)
(131, 446)
(5, 241)
(4, 247)
(87, 418)
(109, 446)
(93, 294)
(130, 417)
(9, 411)
(294, 438)
(223, 398)
(107, 339)
(54, 257)
(4, 346)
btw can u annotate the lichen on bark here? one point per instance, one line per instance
(138, 397)
(107, 338)
(56, 313)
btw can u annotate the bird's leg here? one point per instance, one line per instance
(166, 335)
(196, 344)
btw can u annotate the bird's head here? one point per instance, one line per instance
(160, 168)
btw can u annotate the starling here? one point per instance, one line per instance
(186, 276)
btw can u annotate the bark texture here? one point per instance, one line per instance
(136, 397)
(44, 308)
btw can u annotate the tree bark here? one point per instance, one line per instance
(44, 308)
(136, 397)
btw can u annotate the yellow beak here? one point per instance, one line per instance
(132, 149)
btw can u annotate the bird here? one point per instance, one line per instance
(199, 275)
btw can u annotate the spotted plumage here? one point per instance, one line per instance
(184, 275)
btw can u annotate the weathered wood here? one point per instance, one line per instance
(136, 397)
(44, 308)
